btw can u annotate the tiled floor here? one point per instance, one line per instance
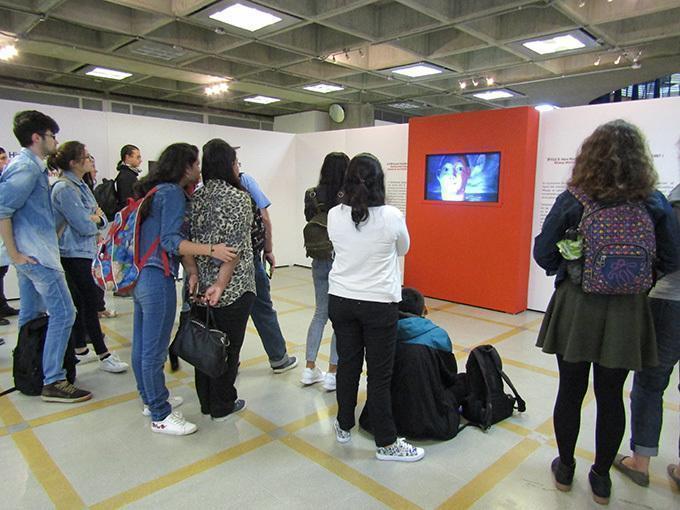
(281, 452)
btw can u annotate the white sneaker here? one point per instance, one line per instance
(329, 381)
(400, 451)
(312, 376)
(174, 424)
(174, 402)
(89, 357)
(341, 436)
(113, 364)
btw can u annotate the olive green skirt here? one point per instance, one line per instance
(613, 331)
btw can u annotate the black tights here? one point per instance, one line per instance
(611, 414)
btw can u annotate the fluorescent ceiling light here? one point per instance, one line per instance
(418, 70)
(111, 74)
(545, 107)
(8, 52)
(261, 99)
(404, 106)
(490, 95)
(323, 88)
(554, 44)
(246, 18)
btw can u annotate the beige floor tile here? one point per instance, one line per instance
(467, 331)
(18, 486)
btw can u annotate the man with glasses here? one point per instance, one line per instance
(29, 233)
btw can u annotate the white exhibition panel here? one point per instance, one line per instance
(560, 135)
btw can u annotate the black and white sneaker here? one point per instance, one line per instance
(400, 451)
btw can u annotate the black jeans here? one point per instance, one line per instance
(3, 299)
(86, 295)
(370, 327)
(218, 394)
(611, 413)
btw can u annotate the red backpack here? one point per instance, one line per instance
(118, 262)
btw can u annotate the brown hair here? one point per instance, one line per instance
(614, 164)
(67, 152)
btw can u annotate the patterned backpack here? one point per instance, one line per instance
(118, 262)
(619, 247)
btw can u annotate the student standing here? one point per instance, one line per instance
(365, 289)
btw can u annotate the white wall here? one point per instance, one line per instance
(560, 135)
(305, 122)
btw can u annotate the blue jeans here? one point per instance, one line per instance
(265, 319)
(646, 399)
(43, 289)
(320, 270)
(155, 306)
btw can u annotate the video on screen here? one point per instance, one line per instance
(465, 177)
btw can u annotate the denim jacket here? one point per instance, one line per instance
(73, 204)
(566, 212)
(25, 198)
(165, 219)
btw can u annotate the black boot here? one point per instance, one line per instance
(601, 485)
(563, 474)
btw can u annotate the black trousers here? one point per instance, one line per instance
(86, 295)
(611, 413)
(218, 394)
(370, 328)
(3, 299)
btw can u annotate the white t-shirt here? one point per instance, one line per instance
(366, 264)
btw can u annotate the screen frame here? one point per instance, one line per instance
(495, 203)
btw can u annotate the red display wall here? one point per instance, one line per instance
(473, 253)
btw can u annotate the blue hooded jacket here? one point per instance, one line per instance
(419, 330)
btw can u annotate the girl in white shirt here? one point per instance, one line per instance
(364, 291)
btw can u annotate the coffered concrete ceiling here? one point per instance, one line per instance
(174, 50)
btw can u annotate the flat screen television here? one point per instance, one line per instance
(462, 177)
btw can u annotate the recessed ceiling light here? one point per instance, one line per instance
(323, 88)
(546, 107)
(8, 52)
(418, 70)
(111, 74)
(554, 44)
(246, 18)
(261, 99)
(490, 95)
(404, 106)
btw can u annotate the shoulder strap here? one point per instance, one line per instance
(8, 391)
(521, 404)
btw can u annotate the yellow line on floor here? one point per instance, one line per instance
(5, 370)
(117, 337)
(258, 421)
(3, 431)
(516, 428)
(94, 405)
(46, 471)
(533, 368)
(491, 476)
(163, 482)
(294, 310)
(502, 337)
(279, 289)
(9, 414)
(351, 475)
(291, 301)
(319, 415)
(476, 317)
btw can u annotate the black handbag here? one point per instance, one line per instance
(204, 347)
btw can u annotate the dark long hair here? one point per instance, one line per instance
(333, 172)
(172, 165)
(364, 186)
(614, 164)
(67, 152)
(218, 163)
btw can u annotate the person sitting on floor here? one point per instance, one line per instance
(424, 403)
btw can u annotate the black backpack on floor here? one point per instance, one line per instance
(27, 368)
(486, 402)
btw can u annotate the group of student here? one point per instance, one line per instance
(221, 233)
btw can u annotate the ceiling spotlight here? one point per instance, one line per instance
(8, 52)
(217, 89)
(333, 58)
(475, 82)
(637, 57)
(347, 54)
(489, 81)
(597, 62)
(581, 5)
(361, 53)
(618, 60)
(462, 84)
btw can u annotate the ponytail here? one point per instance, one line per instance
(364, 186)
(67, 152)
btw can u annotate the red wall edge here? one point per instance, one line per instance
(477, 254)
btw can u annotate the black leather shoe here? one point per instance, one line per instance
(601, 485)
(4, 322)
(8, 311)
(563, 474)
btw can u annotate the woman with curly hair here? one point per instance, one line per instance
(613, 332)
(364, 293)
